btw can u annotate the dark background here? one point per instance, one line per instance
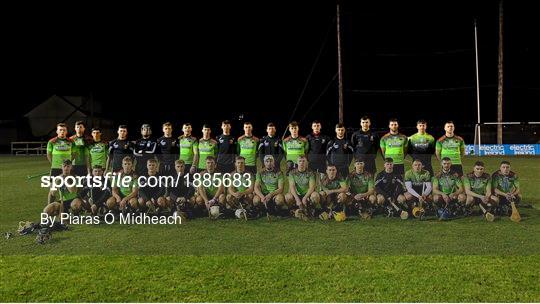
(205, 62)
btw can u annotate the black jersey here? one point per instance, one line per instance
(339, 152)
(318, 145)
(118, 149)
(143, 149)
(271, 145)
(226, 146)
(389, 184)
(167, 149)
(365, 143)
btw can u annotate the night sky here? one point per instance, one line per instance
(206, 62)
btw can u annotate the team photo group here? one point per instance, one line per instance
(247, 177)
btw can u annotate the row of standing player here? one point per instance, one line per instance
(320, 149)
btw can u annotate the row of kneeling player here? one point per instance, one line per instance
(310, 195)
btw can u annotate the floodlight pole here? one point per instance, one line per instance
(500, 74)
(340, 71)
(477, 129)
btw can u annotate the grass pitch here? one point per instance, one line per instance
(285, 260)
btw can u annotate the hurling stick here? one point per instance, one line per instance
(515, 217)
(404, 214)
(490, 217)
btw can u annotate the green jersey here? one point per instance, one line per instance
(361, 182)
(336, 183)
(207, 147)
(187, 146)
(246, 178)
(66, 195)
(247, 147)
(451, 147)
(421, 144)
(505, 183)
(269, 180)
(212, 189)
(301, 180)
(447, 183)
(295, 147)
(97, 151)
(418, 179)
(80, 149)
(61, 149)
(394, 146)
(477, 184)
(125, 191)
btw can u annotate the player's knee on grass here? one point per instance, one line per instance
(222, 200)
(256, 200)
(372, 199)
(315, 198)
(229, 198)
(52, 209)
(401, 199)
(94, 209)
(199, 201)
(111, 203)
(76, 205)
(380, 199)
(134, 203)
(289, 198)
(279, 199)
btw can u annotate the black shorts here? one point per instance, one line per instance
(477, 201)
(67, 205)
(56, 171)
(225, 168)
(167, 169)
(343, 171)
(400, 169)
(140, 169)
(99, 203)
(370, 166)
(147, 197)
(79, 170)
(457, 169)
(318, 167)
(251, 169)
(504, 201)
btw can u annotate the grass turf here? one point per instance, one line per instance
(285, 260)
